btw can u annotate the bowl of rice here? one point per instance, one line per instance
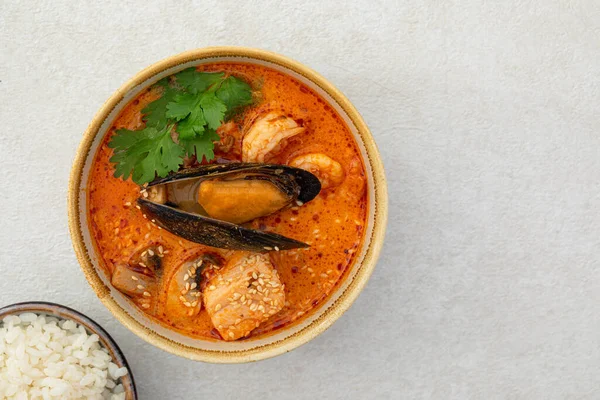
(48, 351)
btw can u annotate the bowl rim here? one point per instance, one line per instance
(49, 308)
(327, 316)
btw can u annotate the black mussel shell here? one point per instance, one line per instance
(215, 233)
(296, 182)
(300, 185)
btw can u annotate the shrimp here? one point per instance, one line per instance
(266, 134)
(354, 186)
(329, 171)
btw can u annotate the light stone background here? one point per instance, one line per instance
(486, 114)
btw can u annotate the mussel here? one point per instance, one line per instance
(207, 204)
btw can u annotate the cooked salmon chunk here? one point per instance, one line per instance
(243, 294)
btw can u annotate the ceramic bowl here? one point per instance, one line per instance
(56, 310)
(262, 347)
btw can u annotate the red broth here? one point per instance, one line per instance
(333, 223)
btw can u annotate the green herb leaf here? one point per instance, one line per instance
(213, 108)
(154, 113)
(195, 81)
(181, 106)
(192, 108)
(234, 93)
(192, 125)
(201, 146)
(145, 153)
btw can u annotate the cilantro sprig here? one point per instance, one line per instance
(182, 122)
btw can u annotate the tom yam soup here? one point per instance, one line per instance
(227, 201)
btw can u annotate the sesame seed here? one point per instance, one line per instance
(140, 287)
(128, 204)
(276, 248)
(212, 287)
(160, 249)
(231, 334)
(186, 277)
(195, 303)
(150, 252)
(187, 304)
(147, 294)
(147, 236)
(141, 264)
(135, 278)
(182, 299)
(217, 307)
(145, 194)
(268, 248)
(138, 207)
(145, 305)
(187, 286)
(254, 275)
(193, 285)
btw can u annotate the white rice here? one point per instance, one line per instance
(43, 357)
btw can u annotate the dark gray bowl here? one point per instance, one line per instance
(52, 309)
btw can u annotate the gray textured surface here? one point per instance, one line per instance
(486, 115)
